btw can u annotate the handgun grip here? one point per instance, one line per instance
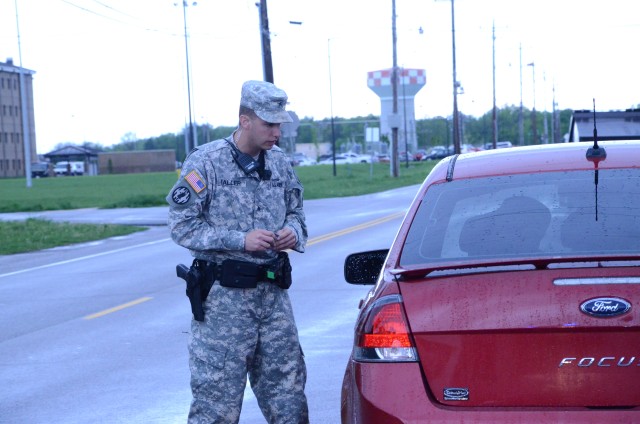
(182, 271)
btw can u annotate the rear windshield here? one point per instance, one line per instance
(533, 215)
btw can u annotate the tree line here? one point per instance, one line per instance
(430, 132)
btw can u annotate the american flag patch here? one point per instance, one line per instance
(195, 181)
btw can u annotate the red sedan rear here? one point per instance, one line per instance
(511, 294)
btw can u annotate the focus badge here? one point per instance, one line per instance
(455, 393)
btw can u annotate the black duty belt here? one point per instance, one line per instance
(247, 275)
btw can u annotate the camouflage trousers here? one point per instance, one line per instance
(247, 332)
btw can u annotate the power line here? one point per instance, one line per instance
(114, 9)
(132, 24)
(84, 9)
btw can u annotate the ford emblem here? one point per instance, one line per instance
(605, 307)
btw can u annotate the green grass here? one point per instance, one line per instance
(356, 179)
(145, 190)
(102, 191)
(37, 234)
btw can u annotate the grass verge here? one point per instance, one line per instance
(101, 191)
(38, 234)
(145, 190)
(356, 179)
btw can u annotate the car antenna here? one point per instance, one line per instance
(595, 154)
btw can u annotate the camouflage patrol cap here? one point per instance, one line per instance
(266, 100)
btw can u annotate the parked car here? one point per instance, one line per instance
(499, 145)
(41, 169)
(300, 159)
(439, 152)
(348, 157)
(384, 158)
(511, 294)
(436, 153)
(306, 161)
(69, 168)
(359, 158)
(340, 160)
(419, 154)
(405, 157)
(469, 148)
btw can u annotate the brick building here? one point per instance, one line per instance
(12, 160)
(132, 162)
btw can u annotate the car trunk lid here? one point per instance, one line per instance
(520, 339)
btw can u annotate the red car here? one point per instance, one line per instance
(511, 294)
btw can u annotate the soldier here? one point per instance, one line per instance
(237, 207)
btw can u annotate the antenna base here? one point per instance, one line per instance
(596, 153)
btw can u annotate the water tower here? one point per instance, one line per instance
(410, 81)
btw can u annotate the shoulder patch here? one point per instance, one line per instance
(195, 181)
(180, 195)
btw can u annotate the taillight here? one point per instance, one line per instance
(383, 333)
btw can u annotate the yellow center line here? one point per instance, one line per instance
(309, 242)
(355, 228)
(118, 308)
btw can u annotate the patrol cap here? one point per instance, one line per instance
(266, 100)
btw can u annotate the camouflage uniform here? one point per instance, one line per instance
(245, 331)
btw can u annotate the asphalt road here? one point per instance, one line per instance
(97, 332)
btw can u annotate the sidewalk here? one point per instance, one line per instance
(153, 216)
(157, 216)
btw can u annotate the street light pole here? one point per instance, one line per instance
(333, 131)
(26, 139)
(520, 115)
(555, 125)
(534, 128)
(456, 123)
(404, 115)
(495, 113)
(394, 85)
(267, 65)
(545, 136)
(190, 142)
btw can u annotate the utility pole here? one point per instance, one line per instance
(404, 115)
(394, 84)
(333, 131)
(495, 114)
(267, 65)
(534, 127)
(545, 124)
(521, 114)
(26, 139)
(555, 124)
(190, 142)
(456, 122)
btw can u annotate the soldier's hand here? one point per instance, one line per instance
(259, 240)
(285, 239)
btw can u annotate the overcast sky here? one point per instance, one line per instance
(111, 67)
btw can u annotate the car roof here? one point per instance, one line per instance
(535, 159)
